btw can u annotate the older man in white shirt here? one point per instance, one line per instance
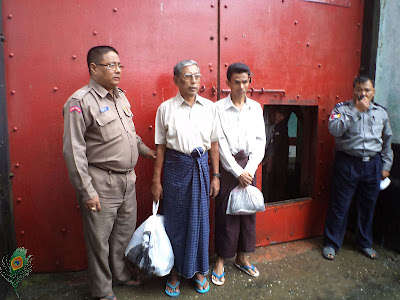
(241, 150)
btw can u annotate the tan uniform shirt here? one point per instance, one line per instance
(98, 131)
(183, 128)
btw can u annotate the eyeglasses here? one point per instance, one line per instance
(112, 66)
(189, 76)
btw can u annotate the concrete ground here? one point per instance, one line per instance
(294, 270)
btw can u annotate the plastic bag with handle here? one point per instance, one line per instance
(150, 248)
(245, 201)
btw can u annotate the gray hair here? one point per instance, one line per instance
(184, 63)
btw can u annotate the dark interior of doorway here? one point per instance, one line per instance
(288, 170)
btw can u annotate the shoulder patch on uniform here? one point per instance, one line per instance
(75, 108)
(121, 90)
(342, 103)
(377, 104)
(81, 92)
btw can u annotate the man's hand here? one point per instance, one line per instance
(362, 104)
(93, 204)
(385, 174)
(151, 155)
(214, 187)
(245, 179)
(157, 191)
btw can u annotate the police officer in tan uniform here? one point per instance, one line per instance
(101, 149)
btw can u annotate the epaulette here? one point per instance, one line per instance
(81, 92)
(377, 104)
(121, 90)
(342, 103)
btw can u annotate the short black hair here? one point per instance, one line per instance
(237, 68)
(362, 79)
(95, 54)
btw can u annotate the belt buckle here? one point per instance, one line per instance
(366, 159)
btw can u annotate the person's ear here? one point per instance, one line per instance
(93, 68)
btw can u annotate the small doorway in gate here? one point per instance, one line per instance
(288, 170)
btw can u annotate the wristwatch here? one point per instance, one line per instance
(217, 175)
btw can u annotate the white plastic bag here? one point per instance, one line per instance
(150, 248)
(245, 201)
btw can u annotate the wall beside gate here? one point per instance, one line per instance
(308, 49)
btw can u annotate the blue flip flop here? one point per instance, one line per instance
(246, 270)
(172, 294)
(215, 281)
(202, 291)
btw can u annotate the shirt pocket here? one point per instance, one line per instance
(129, 116)
(377, 126)
(108, 126)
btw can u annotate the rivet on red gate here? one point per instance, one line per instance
(359, 25)
(19, 200)
(322, 142)
(15, 128)
(291, 234)
(320, 162)
(154, 93)
(298, 96)
(319, 65)
(10, 16)
(212, 5)
(226, 38)
(115, 9)
(73, 56)
(226, 6)
(283, 1)
(275, 210)
(275, 95)
(211, 69)
(319, 97)
(94, 32)
(151, 127)
(357, 51)
(57, 263)
(17, 165)
(308, 44)
(63, 230)
(55, 89)
(337, 96)
(22, 232)
(295, 22)
(12, 92)
(211, 37)
(226, 64)
(11, 54)
(210, 65)
(267, 237)
(243, 35)
(77, 206)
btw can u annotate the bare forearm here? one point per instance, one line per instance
(214, 157)
(160, 153)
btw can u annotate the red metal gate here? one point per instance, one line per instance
(310, 50)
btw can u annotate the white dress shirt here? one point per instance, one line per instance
(183, 128)
(241, 130)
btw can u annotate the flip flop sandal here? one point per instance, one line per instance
(370, 253)
(110, 297)
(202, 291)
(172, 294)
(218, 280)
(246, 270)
(329, 253)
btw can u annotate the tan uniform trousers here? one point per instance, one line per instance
(108, 232)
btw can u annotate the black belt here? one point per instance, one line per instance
(112, 171)
(359, 158)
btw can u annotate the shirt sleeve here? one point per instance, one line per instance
(143, 149)
(387, 152)
(257, 149)
(340, 120)
(74, 149)
(160, 131)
